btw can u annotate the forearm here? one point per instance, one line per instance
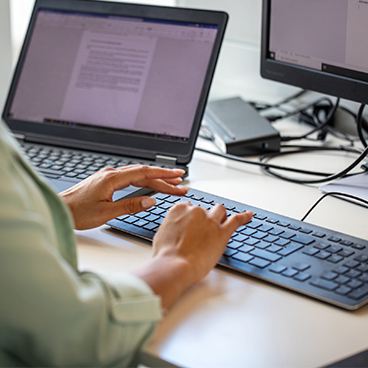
(168, 276)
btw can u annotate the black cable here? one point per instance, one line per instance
(282, 102)
(319, 126)
(277, 167)
(301, 109)
(334, 194)
(359, 121)
(318, 181)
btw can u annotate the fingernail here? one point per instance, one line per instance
(148, 202)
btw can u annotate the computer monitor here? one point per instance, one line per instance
(318, 45)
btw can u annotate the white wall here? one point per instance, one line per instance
(238, 70)
(6, 53)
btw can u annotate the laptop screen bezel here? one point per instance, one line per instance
(124, 143)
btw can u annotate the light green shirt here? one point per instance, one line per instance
(50, 314)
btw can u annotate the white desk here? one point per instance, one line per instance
(230, 320)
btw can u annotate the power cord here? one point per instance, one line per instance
(350, 196)
(290, 169)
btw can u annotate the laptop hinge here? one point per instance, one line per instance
(167, 160)
(21, 137)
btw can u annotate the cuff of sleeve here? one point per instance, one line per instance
(132, 300)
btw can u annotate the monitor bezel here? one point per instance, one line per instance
(303, 77)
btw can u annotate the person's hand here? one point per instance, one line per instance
(90, 201)
(188, 244)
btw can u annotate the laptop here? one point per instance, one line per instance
(111, 84)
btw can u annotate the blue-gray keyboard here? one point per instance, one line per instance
(311, 260)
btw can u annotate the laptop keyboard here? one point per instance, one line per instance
(55, 163)
(305, 258)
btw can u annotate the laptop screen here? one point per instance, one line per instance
(114, 72)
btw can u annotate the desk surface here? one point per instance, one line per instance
(229, 320)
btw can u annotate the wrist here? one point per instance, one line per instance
(168, 276)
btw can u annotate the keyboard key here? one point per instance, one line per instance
(343, 290)
(251, 241)
(363, 268)
(243, 257)
(302, 239)
(310, 251)
(294, 227)
(353, 274)
(341, 270)
(302, 277)
(274, 248)
(358, 246)
(261, 263)
(282, 242)
(240, 237)
(265, 228)
(324, 284)
(283, 223)
(150, 226)
(248, 232)
(301, 266)
(245, 248)
(321, 246)
(352, 264)
(359, 293)
(270, 238)
(354, 284)
(305, 230)
(277, 268)
(346, 242)
(234, 244)
(289, 272)
(272, 221)
(329, 275)
(334, 239)
(262, 245)
(276, 232)
(141, 223)
(254, 224)
(346, 253)
(265, 255)
(287, 234)
(259, 235)
(362, 258)
(322, 255)
(229, 252)
(289, 249)
(131, 219)
(319, 235)
(334, 249)
(342, 280)
(335, 258)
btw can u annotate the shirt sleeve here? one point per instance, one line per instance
(50, 315)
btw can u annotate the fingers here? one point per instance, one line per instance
(235, 221)
(130, 205)
(138, 175)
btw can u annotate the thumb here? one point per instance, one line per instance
(133, 205)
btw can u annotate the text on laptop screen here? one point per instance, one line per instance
(112, 72)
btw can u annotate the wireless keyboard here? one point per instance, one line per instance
(314, 261)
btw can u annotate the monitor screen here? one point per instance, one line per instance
(318, 45)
